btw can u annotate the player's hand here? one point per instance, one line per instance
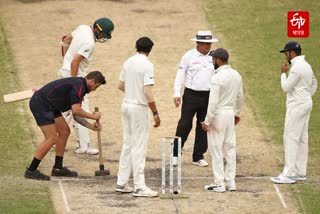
(97, 126)
(96, 115)
(284, 68)
(236, 120)
(204, 127)
(157, 121)
(177, 101)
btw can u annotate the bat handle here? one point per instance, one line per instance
(96, 109)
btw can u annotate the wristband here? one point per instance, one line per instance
(155, 113)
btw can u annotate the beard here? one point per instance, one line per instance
(216, 66)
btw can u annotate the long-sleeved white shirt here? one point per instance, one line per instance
(301, 83)
(195, 71)
(226, 92)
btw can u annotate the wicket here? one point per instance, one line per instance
(163, 171)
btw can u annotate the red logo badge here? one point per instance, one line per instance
(298, 24)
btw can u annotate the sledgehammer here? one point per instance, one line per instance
(101, 171)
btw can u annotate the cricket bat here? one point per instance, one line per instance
(17, 96)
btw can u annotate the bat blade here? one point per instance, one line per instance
(17, 96)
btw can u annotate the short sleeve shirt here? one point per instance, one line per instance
(137, 72)
(61, 94)
(83, 43)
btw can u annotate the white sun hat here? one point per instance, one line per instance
(204, 36)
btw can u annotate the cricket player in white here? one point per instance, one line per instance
(300, 85)
(225, 103)
(136, 81)
(77, 50)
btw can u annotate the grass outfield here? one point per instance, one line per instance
(18, 195)
(254, 32)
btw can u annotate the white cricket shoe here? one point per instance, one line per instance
(215, 188)
(299, 177)
(88, 150)
(145, 192)
(124, 189)
(175, 161)
(202, 163)
(281, 179)
(231, 185)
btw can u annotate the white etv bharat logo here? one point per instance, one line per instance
(297, 21)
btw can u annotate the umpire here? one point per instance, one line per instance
(194, 73)
(47, 105)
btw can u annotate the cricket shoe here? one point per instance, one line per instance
(87, 150)
(37, 175)
(215, 188)
(281, 179)
(299, 177)
(64, 172)
(202, 163)
(124, 189)
(145, 192)
(231, 185)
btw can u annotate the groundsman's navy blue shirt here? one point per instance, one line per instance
(61, 94)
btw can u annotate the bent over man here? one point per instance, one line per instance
(47, 105)
(225, 103)
(77, 50)
(300, 86)
(136, 81)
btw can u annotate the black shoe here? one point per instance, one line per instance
(64, 172)
(37, 175)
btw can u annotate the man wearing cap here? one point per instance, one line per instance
(77, 49)
(225, 103)
(300, 85)
(194, 73)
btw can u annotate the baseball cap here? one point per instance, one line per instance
(291, 46)
(220, 53)
(105, 25)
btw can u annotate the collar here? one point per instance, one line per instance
(223, 67)
(200, 54)
(297, 59)
(84, 83)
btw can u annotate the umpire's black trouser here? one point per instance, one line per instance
(193, 102)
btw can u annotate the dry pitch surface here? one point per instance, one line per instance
(34, 29)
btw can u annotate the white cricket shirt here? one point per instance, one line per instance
(226, 92)
(301, 83)
(137, 71)
(195, 71)
(83, 42)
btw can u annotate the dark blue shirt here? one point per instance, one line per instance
(61, 94)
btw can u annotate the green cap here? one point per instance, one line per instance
(105, 25)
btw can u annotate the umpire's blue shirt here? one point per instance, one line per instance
(61, 94)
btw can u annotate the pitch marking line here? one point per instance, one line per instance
(280, 196)
(64, 196)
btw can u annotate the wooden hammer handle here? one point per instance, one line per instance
(96, 109)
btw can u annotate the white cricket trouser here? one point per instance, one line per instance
(222, 142)
(82, 133)
(295, 139)
(135, 122)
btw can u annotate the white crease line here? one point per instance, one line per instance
(280, 196)
(64, 196)
(155, 178)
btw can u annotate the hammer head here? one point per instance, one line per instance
(102, 172)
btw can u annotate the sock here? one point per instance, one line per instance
(34, 164)
(58, 162)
